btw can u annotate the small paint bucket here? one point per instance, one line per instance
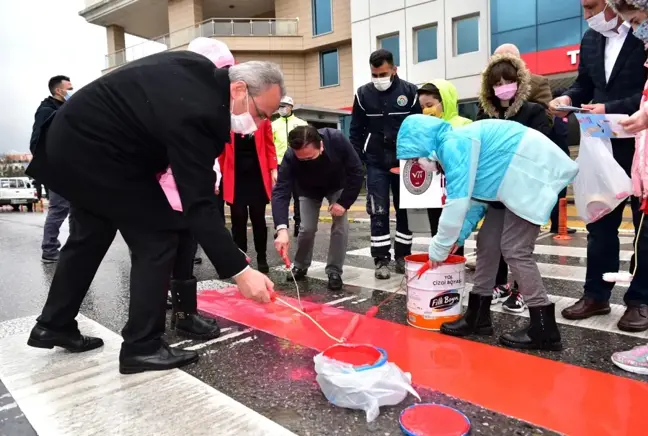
(362, 357)
(436, 297)
(429, 419)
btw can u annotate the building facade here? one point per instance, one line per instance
(309, 39)
(454, 39)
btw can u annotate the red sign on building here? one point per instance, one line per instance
(554, 61)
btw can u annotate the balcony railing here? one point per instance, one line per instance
(223, 27)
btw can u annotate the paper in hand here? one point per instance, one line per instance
(603, 125)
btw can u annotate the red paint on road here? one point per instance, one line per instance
(565, 398)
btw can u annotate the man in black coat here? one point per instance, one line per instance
(611, 78)
(319, 164)
(379, 109)
(61, 90)
(104, 151)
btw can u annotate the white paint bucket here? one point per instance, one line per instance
(436, 297)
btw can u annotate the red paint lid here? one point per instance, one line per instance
(433, 420)
(356, 355)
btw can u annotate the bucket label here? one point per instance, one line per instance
(445, 301)
(438, 282)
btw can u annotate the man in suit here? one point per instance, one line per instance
(103, 152)
(611, 77)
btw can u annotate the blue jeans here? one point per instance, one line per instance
(603, 256)
(58, 211)
(379, 182)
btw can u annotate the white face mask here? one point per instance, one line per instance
(243, 123)
(600, 25)
(284, 111)
(382, 83)
(428, 165)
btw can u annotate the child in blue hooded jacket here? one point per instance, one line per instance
(486, 162)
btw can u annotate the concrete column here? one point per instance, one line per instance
(116, 45)
(182, 15)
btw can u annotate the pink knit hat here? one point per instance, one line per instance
(216, 51)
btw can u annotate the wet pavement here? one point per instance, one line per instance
(275, 377)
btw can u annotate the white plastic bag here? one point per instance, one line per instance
(601, 184)
(343, 386)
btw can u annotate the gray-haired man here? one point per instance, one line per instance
(103, 153)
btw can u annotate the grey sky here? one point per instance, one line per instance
(40, 39)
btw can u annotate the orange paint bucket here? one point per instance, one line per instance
(436, 297)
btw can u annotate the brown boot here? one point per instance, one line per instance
(585, 308)
(635, 319)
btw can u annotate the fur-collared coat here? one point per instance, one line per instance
(521, 110)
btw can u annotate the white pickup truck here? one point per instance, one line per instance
(17, 191)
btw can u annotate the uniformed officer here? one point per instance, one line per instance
(379, 109)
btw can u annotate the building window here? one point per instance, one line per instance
(513, 14)
(525, 39)
(466, 34)
(469, 109)
(329, 68)
(322, 17)
(425, 40)
(391, 43)
(559, 34)
(549, 11)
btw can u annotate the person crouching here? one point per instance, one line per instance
(319, 164)
(487, 162)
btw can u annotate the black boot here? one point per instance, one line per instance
(185, 319)
(540, 334)
(161, 360)
(475, 321)
(261, 246)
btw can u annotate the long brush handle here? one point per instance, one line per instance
(351, 328)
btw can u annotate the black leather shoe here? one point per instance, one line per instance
(475, 321)
(185, 319)
(335, 282)
(298, 273)
(163, 359)
(263, 266)
(74, 342)
(540, 334)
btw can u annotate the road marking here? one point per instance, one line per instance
(67, 394)
(177, 344)
(243, 341)
(219, 339)
(340, 300)
(8, 407)
(362, 300)
(363, 277)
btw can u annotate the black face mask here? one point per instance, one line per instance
(314, 164)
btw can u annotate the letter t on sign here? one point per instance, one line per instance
(573, 56)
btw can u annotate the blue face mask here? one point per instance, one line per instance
(642, 32)
(68, 94)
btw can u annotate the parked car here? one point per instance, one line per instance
(17, 191)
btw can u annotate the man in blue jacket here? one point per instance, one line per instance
(60, 89)
(379, 109)
(319, 164)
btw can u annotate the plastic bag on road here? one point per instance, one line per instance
(601, 184)
(383, 384)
